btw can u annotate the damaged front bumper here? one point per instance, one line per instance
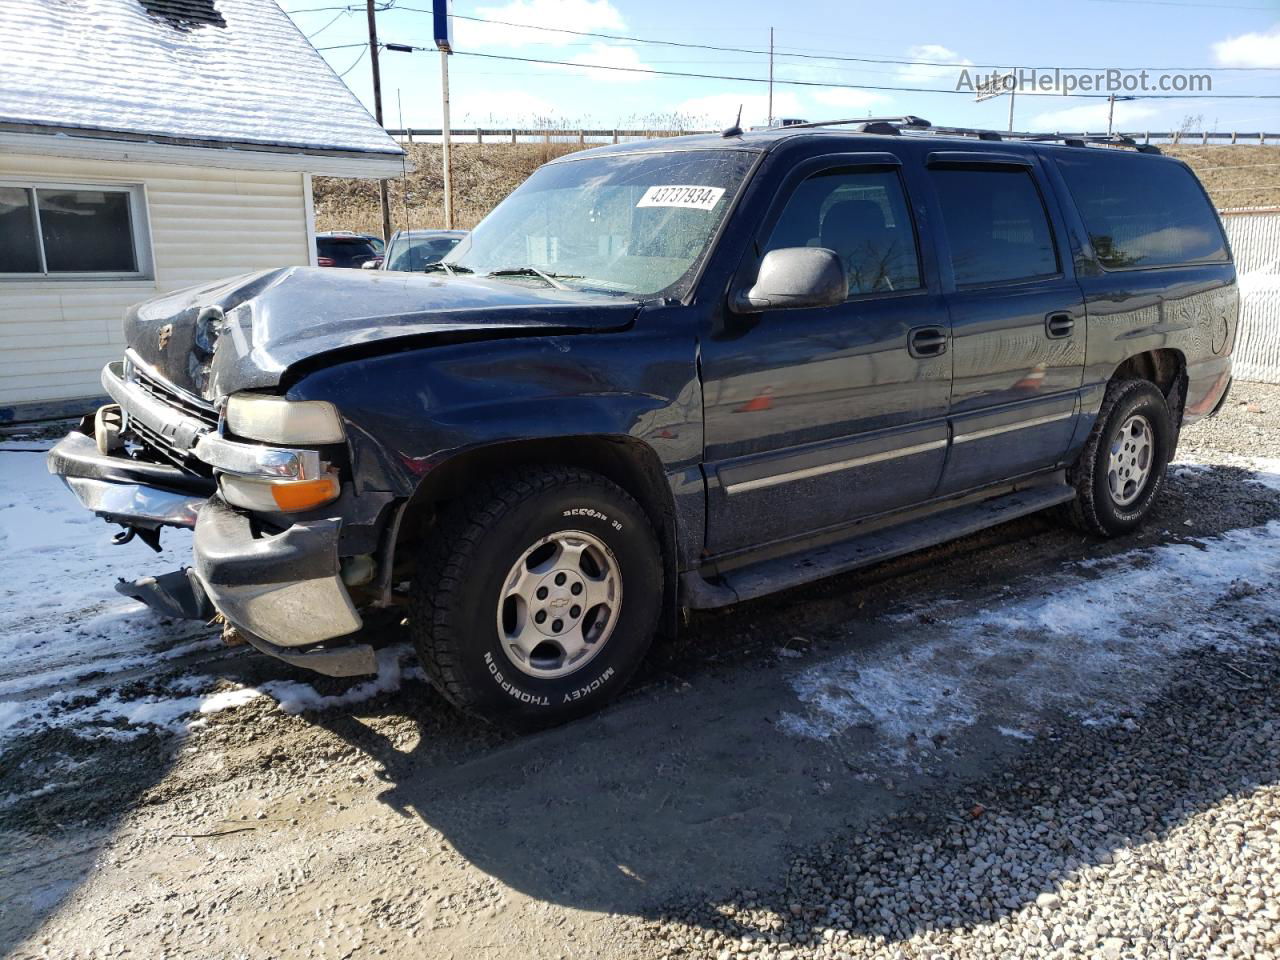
(281, 590)
(132, 493)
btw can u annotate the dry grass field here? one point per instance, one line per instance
(1239, 176)
(482, 176)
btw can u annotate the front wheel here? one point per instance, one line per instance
(1122, 466)
(538, 597)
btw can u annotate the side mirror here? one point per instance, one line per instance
(373, 264)
(795, 277)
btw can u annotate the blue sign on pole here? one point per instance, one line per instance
(442, 19)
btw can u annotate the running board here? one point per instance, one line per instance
(782, 573)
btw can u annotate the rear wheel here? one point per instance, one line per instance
(539, 596)
(1122, 466)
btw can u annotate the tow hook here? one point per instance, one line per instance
(150, 537)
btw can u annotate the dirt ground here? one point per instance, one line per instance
(168, 797)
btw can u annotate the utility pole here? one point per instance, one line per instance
(769, 120)
(377, 115)
(1012, 93)
(444, 130)
(442, 28)
(1111, 113)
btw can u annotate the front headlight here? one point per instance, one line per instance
(277, 420)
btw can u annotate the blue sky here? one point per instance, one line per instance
(1072, 33)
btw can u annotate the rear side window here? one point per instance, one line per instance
(1141, 211)
(996, 225)
(861, 215)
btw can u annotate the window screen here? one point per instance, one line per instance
(46, 231)
(862, 215)
(996, 225)
(1142, 211)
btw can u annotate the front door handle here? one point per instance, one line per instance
(1058, 326)
(925, 342)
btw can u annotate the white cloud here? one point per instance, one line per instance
(1092, 117)
(843, 99)
(558, 14)
(493, 108)
(719, 109)
(1250, 49)
(603, 54)
(926, 74)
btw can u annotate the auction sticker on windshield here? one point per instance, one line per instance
(695, 198)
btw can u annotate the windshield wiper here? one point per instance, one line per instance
(448, 268)
(551, 278)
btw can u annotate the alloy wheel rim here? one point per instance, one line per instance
(1130, 463)
(559, 604)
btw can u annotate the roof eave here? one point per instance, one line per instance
(160, 148)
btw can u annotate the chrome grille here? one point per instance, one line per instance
(160, 446)
(179, 399)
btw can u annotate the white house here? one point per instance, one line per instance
(146, 146)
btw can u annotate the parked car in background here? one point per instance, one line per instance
(412, 250)
(665, 376)
(342, 248)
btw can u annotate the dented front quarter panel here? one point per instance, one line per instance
(407, 413)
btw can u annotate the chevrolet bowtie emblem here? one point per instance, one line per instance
(166, 332)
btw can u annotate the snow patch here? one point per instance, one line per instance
(295, 697)
(1095, 643)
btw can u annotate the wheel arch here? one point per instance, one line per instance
(627, 461)
(1167, 369)
(1164, 367)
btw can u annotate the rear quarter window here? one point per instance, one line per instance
(1142, 211)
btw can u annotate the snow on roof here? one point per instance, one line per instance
(109, 65)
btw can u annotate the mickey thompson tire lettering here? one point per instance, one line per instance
(525, 697)
(458, 617)
(522, 695)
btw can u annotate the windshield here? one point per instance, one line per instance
(638, 225)
(414, 253)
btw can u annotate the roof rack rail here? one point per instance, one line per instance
(1070, 140)
(896, 125)
(889, 125)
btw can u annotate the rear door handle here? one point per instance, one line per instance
(1059, 325)
(925, 342)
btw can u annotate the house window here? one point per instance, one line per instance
(60, 230)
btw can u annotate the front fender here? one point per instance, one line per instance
(407, 413)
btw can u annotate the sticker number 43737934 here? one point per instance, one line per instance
(695, 198)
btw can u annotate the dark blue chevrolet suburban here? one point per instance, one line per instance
(663, 376)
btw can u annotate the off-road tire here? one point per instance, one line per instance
(456, 588)
(1095, 509)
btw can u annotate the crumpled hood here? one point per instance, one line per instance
(246, 332)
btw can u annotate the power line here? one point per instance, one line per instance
(804, 56)
(362, 55)
(823, 84)
(390, 6)
(341, 14)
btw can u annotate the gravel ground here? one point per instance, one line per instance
(1157, 837)
(1004, 764)
(1153, 838)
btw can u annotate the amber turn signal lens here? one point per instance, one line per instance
(304, 494)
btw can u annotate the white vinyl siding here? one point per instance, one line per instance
(206, 224)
